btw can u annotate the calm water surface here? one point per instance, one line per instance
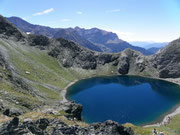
(137, 100)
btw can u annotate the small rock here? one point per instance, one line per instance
(12, 112)
(27, 72)
(42, 123)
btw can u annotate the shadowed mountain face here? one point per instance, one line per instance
(7, 30)
(93, 39)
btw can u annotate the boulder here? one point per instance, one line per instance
(12, 112)
(42, 123)
(74, 110)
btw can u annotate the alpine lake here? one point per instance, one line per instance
(125, 99)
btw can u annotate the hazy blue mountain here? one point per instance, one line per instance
(153, 50)
(94, 39)
(147, 45)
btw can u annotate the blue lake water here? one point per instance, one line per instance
(132, 99)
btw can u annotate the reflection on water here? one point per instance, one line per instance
(132, 99)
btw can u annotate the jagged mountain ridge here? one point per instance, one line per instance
(109, 40)
(94, 39)
(106, 58)
(68, 34)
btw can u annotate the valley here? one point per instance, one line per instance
(34, 69)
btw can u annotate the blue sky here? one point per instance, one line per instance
(132, 20)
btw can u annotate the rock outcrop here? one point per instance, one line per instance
(167, 60)
(58, 127)
(8, 30)
(73, 110)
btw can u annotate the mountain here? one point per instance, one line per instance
(148, 45)
(94, 39)
(152, 47)
(82, 58)
(153, 50)
(98, 36)
(109, 40)
(68, 34)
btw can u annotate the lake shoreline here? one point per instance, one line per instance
(157, 123)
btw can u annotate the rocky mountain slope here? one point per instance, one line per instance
(34, 70)
(167, 60)
(94, 39)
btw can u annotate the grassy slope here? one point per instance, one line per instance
(47, 77)
(171, 129)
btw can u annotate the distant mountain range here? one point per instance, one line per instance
(93, 39)
(152, 47)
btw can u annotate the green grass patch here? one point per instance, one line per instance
(23, 98)
(51, 94)
(42, 67)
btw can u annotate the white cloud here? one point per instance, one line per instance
(44, 12)
(113, 11)
(65, 20)
(79, 12)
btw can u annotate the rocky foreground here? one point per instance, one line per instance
(56, 126)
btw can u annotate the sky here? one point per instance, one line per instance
(132, 20)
